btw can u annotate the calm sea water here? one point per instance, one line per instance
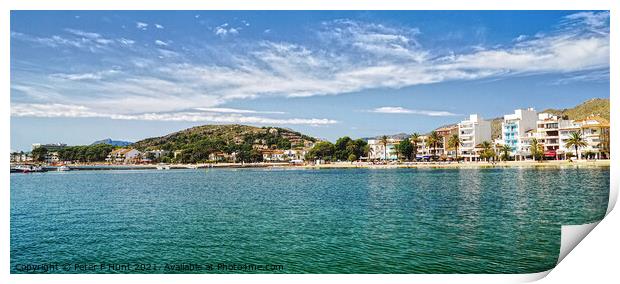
(309, 221)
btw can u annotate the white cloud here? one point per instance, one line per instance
(161, 43)
(402, 110)
(348, 57)
(141, 25)
(159, 26)
(224, 30)
(234, 110)
(84, 76)
(78, 111)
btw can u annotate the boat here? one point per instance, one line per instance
(27, 169)
(162, 167)
(63, 168)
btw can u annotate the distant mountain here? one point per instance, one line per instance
(112, 142)
(399, 136)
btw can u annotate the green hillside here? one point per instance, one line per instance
(196, 143)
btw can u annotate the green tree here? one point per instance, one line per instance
(352, 158)
(415, 139)
(39, 153)
(487, 151)
(575, 140)
(384, 142)
(323, 150)
(405, 148)
(536, 150)
(454, 142)
(433, 140)
(505, 149)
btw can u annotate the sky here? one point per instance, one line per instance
(82, 76)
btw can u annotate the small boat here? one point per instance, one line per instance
(162, 167)
(28, 169)
(63, 168)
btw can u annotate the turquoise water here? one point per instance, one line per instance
(307, 221)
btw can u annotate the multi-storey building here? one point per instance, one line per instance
(472, 132)
(378, 151)
(445, 133)
(594, 131)
(514, 129)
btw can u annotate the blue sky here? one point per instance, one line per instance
(81, 76)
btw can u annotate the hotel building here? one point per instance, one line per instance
(472, 132)
(514, 129)
(377, 151)
(594, 131)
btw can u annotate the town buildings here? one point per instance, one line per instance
(473, 132)
(514, 129)
(379, 151)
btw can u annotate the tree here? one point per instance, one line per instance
(39, 153)
(536, 150)
(323, 150)
(454, 142)
(487, 151)
(384, 142)
(575, 140)
(432, 141)
(415, 139)
(352, 158)
(405, 148)
(342, 153)
(505, 149)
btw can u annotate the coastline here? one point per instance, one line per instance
(349, 165)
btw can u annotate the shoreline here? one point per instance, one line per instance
(349, 165)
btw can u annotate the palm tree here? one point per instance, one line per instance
(486, 150)
(505, 149)
(384, 142)
(415, 138)
(432, 141)
(575, 140)
(534, 148)
(396, 151)
(455, 142)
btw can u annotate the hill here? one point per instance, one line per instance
(109, 141)
(596, 106)
(197, 143)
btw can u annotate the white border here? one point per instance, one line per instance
(7, 5)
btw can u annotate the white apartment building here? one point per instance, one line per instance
(472, 132)
(594, 131)
(377, 151)
(514, 129)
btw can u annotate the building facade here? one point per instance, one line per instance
(514, 129)
(472, 132)
(378, 151)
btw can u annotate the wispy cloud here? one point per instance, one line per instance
(235, 110)
(141, 25)
(225, 30)
(402, 110)
(84, 76)
(159, 26)
(347, 56)
(78, 111)
(161, 43)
